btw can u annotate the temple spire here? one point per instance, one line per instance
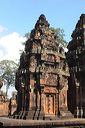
(42, 21)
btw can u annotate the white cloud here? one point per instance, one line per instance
(9, 49)
(10, 46)
(2, 29)
(10, 90)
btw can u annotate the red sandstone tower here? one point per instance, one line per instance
(42, 77)
(76, 62)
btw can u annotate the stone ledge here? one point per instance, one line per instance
(8, 122)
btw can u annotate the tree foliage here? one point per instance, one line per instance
(27, 35)
(7, 72)
(59, 33)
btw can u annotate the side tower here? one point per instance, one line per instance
(76, 62)
(42, 77)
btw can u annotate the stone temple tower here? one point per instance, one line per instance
(76, 62)
(42, 77)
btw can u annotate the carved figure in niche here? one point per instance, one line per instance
(63, 99)
(33, 63)
(61, 82)
(32, 95)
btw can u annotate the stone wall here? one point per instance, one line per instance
(4, 109)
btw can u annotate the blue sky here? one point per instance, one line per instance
(21, 15)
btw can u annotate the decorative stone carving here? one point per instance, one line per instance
(43, 60)
(51, 79)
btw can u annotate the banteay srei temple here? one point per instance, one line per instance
(42, 77)
(49, 81)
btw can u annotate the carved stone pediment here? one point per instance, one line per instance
(50, 90)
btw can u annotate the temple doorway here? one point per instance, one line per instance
(50, 104)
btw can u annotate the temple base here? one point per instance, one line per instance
(30, 115)
(66, 114)
(40, 115)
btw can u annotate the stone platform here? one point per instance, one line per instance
(10, 123)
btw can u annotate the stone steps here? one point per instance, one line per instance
(66, 114)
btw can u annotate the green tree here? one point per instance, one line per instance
(7, 73)
(59, 33)
(27, 35)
